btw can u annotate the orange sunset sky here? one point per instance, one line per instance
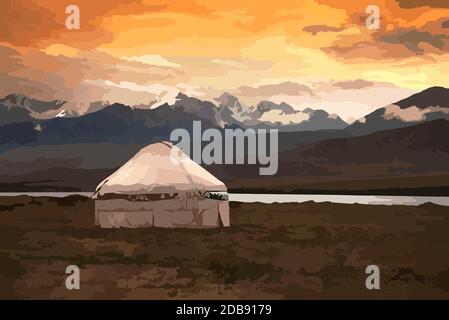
(308, 53)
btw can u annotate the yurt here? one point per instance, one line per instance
(161, 187)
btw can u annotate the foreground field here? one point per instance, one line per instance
(278, 251)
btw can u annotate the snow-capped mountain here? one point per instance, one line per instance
(232, 111)
(20, 108)
(427, 105)
(282, 116)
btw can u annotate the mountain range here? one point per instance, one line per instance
(281, 116)
(44, 148)
(430, 104)
(16, 108)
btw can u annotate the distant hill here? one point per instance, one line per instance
(416, 151)
(419, 148)
(347, 163)
(433, 96)
(74, 152)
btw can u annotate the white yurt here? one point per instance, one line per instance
(162, 187)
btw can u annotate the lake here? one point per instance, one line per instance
(271, 198)
(350, 199)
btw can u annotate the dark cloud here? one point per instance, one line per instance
(408, 4)
(38, 23)
(432, 37)
(412, 38)
(355, 49)
(314, 29)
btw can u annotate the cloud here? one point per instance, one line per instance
(284, 88)
(315, 29)
(229, 63)
(423, 3)
(9, 59)
(396, 43)
(58, 72)
(163, 93)
(410, 114)
(353, 84)
(278, 116)
(37, 23)
(411, 39)
(61, 50)
(275, 51)
(156, 91)
(408, 28)
(192, 91)
(154, 60)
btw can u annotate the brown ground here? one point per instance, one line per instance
(274, 251)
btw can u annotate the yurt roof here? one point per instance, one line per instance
(156, 169)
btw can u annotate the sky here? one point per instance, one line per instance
(308, 53)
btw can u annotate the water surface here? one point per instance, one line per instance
(281, 198)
